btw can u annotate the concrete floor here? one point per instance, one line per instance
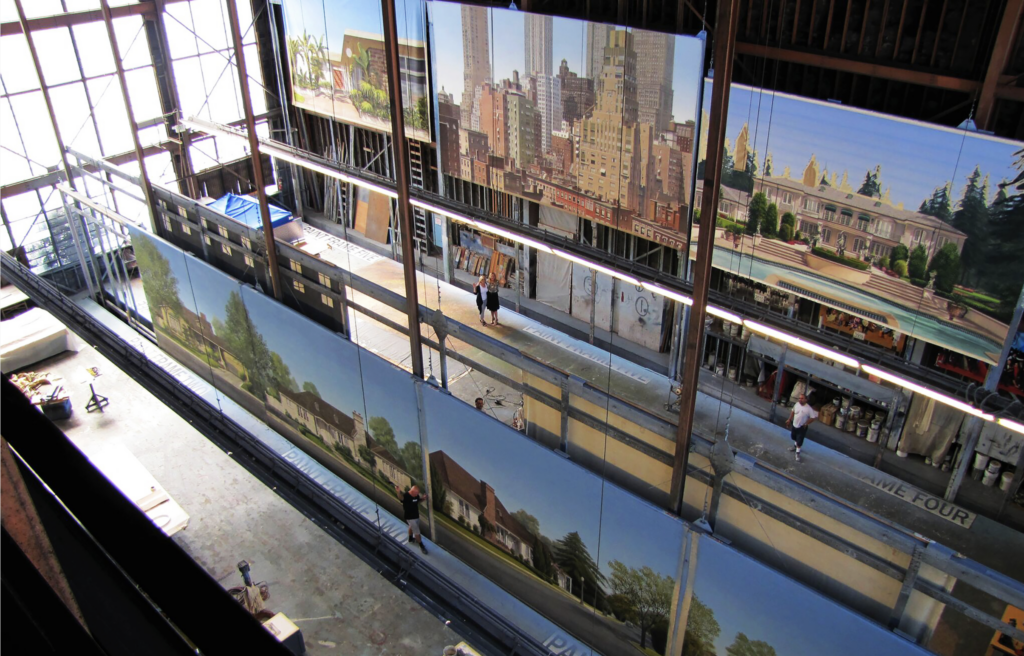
(341, 604)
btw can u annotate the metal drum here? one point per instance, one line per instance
(874, 431)
(841, 419)
(862, 428)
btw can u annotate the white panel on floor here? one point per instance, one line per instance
(554, 281)
(638, 315)
(582, 281)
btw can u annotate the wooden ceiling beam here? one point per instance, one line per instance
(883, 71)
(1007, 35)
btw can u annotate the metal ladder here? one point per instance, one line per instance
(419, 217)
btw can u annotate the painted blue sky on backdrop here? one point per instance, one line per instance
(915, 158)
(357, 15)
(568, 42)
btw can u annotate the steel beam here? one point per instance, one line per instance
(254, 150)
(132, 123)
(46, 92)
(144, 9)
(881, 71)
(974, 424)
(726, 23)
(402, 178)
(1005, 39)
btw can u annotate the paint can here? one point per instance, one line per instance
(846, 403)
(862, 428)
(840, 419)
(720, 369)
(851, 422)
(874, 431)
(869, 415)
(711, 361)
(980, 462)
(732, 373)
(991, 474)
(1005, 480)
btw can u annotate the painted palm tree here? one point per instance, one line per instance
(316, 59)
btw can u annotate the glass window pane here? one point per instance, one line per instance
(13, 167)
(36, 131)
(177, 22)
(38, 8)
(72, 109)
(210, 20)
(56, 55)
(8, 12)
(111, 115)
(21, 210)
(222, 87)
(153, 135)
(203, 155)
(161, 170)
(94, 49)
(131, 41)
(256, 92)
(82, 5)
(14, 48)
(190, 86)
(143, 93)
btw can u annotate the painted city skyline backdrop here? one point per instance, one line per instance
(595, 120)
(915, 157)
(569, 44)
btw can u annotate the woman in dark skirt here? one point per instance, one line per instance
(480, 289)
(492, 298)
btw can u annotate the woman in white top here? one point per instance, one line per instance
(480, 289)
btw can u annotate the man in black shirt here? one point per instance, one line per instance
(411, 510)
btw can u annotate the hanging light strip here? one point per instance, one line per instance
(325, 170)
(280, 153)
(668, 293)
(801, 343)
(1012, 425)
(275, 151)
(597, 267)
(724, 314)
(932, 394)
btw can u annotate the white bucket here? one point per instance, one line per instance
(1005, 480)
(991, 474)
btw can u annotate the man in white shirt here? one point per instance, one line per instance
(802, 416)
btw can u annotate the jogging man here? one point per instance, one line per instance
(802, 416)
(411, 509)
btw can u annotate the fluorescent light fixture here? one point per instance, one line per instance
(675, 296)
(597, 267)
(801, 343)
(724, 314)
(440, 210)
(932, 394)
(280, 153)
(533, 243)
(1012, 425)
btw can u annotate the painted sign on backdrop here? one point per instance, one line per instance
(921, 499)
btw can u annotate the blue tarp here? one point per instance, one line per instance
(246, 209)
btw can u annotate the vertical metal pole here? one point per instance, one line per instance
(254, 150)
(593, 302)
(78, 246)
(401, 153)
(726, 23)
(780, 373)
(46, 93)
(166, 66)
(132, 124)
(519, 272)
(975, 424)
(282, 90)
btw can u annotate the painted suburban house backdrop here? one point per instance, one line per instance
(898, 228)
